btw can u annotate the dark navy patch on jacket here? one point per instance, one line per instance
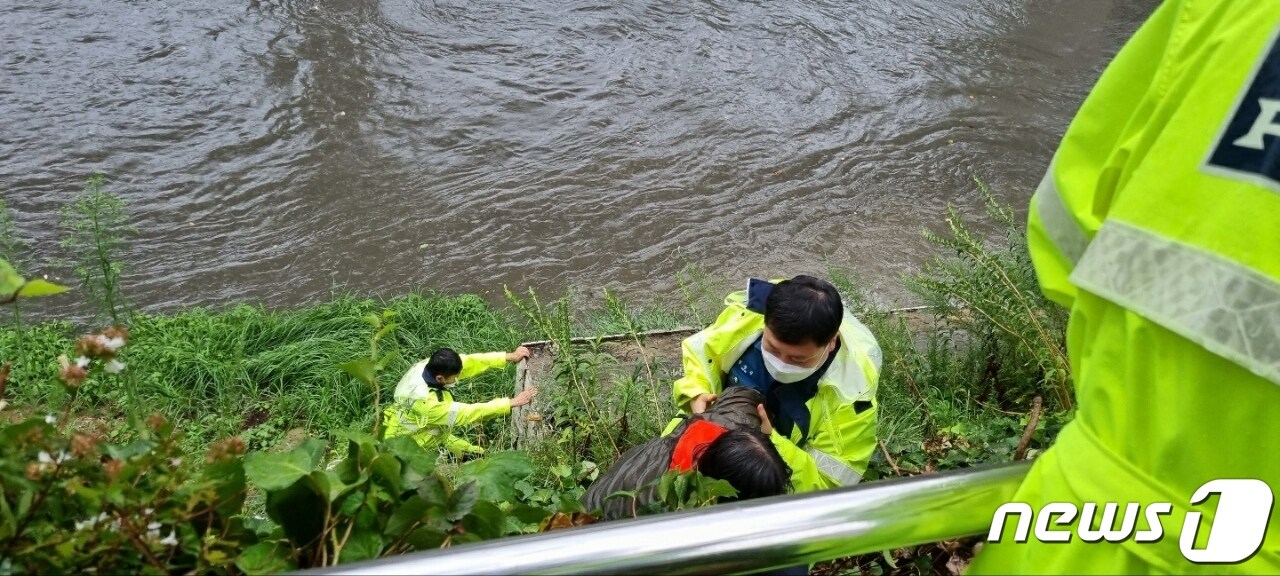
(1249, 146)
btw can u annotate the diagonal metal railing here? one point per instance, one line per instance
(740, 537)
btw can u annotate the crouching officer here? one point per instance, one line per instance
(815, 364)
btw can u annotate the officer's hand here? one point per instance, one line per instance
(524, 397)
(700, 403)
(520, 354)
(765, 425)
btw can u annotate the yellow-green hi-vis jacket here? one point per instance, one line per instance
(430, 417)
(1158, 224)
(841, 439)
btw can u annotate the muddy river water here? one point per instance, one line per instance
(274, 149)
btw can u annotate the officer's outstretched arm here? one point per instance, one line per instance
(805, 476)
(697, 366)
(459, 414)
(836, 454)
(1101, 146)
(474, 364)
(458, 446)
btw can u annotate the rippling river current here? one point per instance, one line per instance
(273, 149)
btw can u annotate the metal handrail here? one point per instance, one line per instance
(745, 536)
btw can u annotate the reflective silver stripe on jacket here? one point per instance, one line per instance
(1228, 308)
(453, 413)
(837, 470)
(1062, 229)
(407, 424)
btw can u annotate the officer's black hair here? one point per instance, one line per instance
(748, 461)
(444, 362)
(804, 309)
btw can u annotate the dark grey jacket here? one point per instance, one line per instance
(735, 409)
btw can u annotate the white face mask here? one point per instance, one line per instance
(786, 373)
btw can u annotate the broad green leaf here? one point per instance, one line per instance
(407, 514)
(328, 484)
(425, 538)
(364, 544)
(437, 518)
(261, 527)
(276, 471)
(462, 499)
(351, 503)
(361, 369)
(569, 504)
(266, 558)
(432, 490)
(299, 510)
(465, 538)
(8, 523)
(228, 481)
(384, 330)
(497, 474)
(348, 469)
(526, 489)
(664, 486)
(37, 287)
(315, 449)
(361, 444)
(528, 514)
(10, 280)
(387, 468)
(414, 456)
(386, 359)
(485, 520)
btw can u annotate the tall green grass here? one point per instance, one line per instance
(222, 373)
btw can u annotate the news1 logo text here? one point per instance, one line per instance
(1236, 530)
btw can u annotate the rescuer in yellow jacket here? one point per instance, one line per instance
(816, 365)
(1158, 225)
(424, 406)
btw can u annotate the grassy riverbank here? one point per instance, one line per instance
(979, 377)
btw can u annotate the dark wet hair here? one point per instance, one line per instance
(804, 309)
(444, 362)
(748, 461)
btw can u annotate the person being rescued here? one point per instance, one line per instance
(815, 363)
(729, 442)
(424, 407)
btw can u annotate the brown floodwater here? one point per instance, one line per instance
(272, 150)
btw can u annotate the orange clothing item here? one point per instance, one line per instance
(695, 437)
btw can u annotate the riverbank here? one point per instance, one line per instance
(981, 379)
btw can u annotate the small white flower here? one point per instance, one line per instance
(114, 367)
(112, 344)
(154, 526)
(171, 539)
(50, 419)
(175, 462)
(148, 511)
(82, 362)
(44, 457)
